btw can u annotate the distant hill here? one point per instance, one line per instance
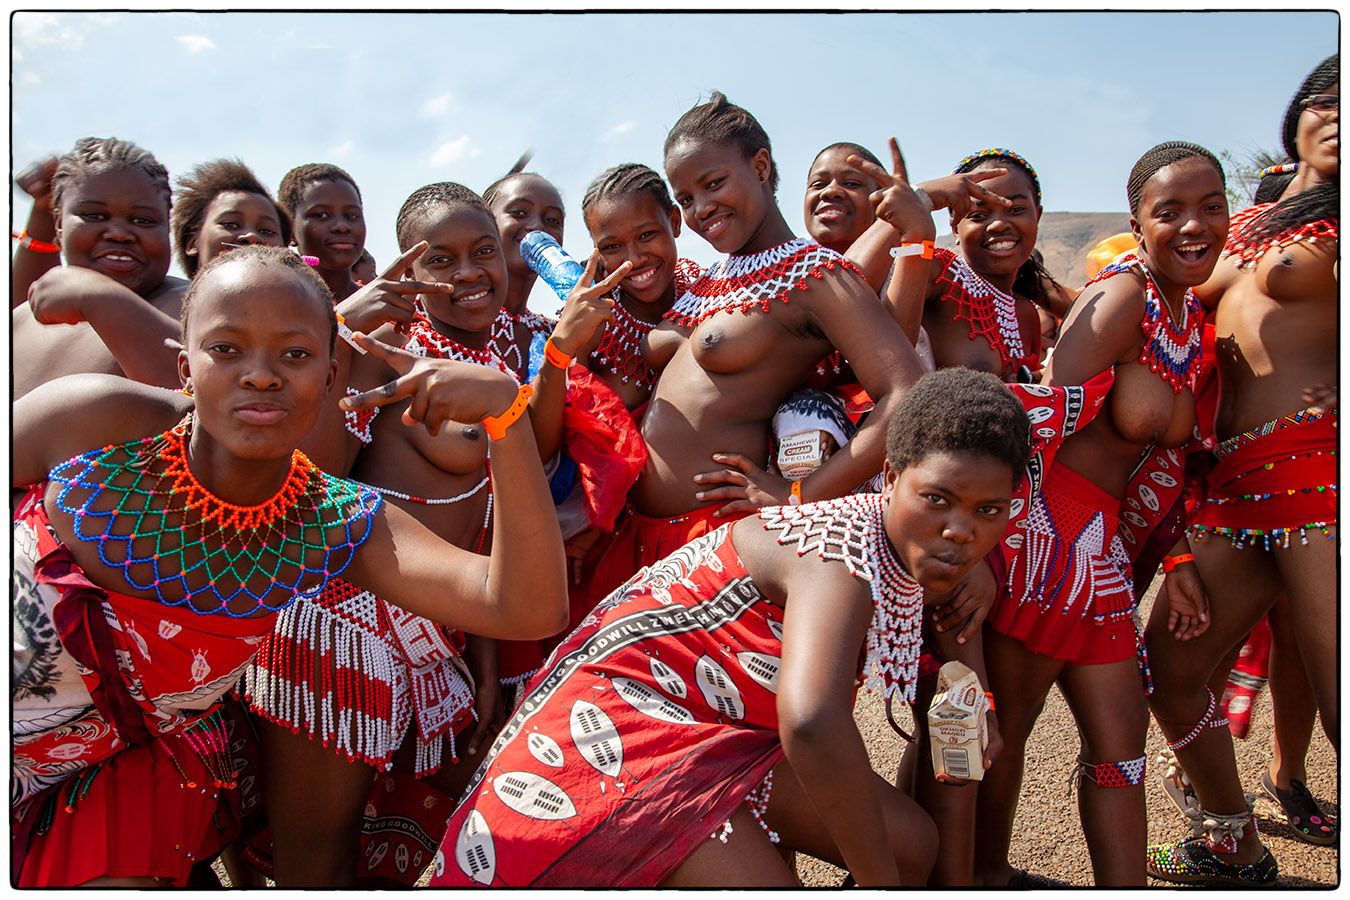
(1065, 239)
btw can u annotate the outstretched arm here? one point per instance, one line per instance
(520, 591)
(30, 264)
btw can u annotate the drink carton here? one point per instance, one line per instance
(957, 729)
(801, 454)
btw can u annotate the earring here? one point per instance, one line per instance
(186, 389)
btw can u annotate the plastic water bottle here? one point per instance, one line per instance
(551, 262)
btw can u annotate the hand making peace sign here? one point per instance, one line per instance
(392, 297)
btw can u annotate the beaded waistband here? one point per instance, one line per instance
(1301, 417)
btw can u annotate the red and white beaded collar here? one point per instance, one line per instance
(425, 340)
(620, 347)
(1249, 252)
(750, 283)
(991, 313)
(502, 338)
(850, 529)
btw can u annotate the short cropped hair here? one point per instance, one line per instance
(440, 194)
(959, 410)
(294, 182)
(262, 255)
(203, 184)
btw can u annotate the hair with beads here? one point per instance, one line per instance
(959, 410)
(719, 121)
(203, 184)
(1160, 157)
(261, 255)
(440, 195)
(94, 156)
(1273, 181)
(294, 182)
(629, 178)
(1319, 203)
(851, 147)
(1032, 274)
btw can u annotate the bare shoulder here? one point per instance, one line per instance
(168, 297)
(781, 572)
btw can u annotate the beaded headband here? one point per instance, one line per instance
(994, 152)
(1278, 170)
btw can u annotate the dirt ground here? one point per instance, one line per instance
(1048, 838)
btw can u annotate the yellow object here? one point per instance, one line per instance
(1108, 250)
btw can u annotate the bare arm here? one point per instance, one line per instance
(29, 264)
(1102, 330)
(520, 591)
(132, 328)
(825, 621)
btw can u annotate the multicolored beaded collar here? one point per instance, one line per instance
(425, 340)
(204, 547)
(991, 313)
(620, 347)
(1247, 222)
(1170, 350)
(851, 529)
(750, 283)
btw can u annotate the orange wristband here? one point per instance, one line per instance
(31, 243)
(795, 499)
(1171, 562)
(496, 425)
(921, 249)
(555, 356)
(990, 697)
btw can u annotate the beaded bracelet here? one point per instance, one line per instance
(555, 356)
(921, 249)
(1171, 562)
(795, 498)
(28, 242)
(496, 425)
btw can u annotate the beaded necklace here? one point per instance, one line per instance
(502, 337)
(990, 312)
(1170, 350)
(620, 347)
(851, 529)
(449, 501)
(205, 547)
(752, 282)
(1249, 251)
(425, 340)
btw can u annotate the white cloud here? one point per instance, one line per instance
(196, 43)
(38, 29)
(621, 128)
(453, 151)
(343, 149)
(29, 79)
(436, 106)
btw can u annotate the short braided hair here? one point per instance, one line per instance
(93, 156)
(1160, 157)
(851, 147)
(203, 184)
(440, 194)
(628, 178)
(719, 121)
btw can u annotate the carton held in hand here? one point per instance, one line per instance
(957, 729)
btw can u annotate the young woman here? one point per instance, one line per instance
(148, 569)
(404, 676)
(522, 202)
(1069, 617)
(110, 200)
(325, 204)
(221, 205)
(714, 694)
(739, 342)
(1268, 525)
(838, 209)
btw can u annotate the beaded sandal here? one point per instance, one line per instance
(1300, 808)
(1190, 861)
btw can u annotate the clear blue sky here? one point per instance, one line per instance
(402, 100)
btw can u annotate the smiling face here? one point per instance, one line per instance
(635, 228)
(1182, 222)
(996, 241)
(837, 207)
(1318, 138)
(724, 194)
(117, 223)
(464, 251)
(234, 217)
(945, 512)
(521, 204)
(330, 224)
(257, 351)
